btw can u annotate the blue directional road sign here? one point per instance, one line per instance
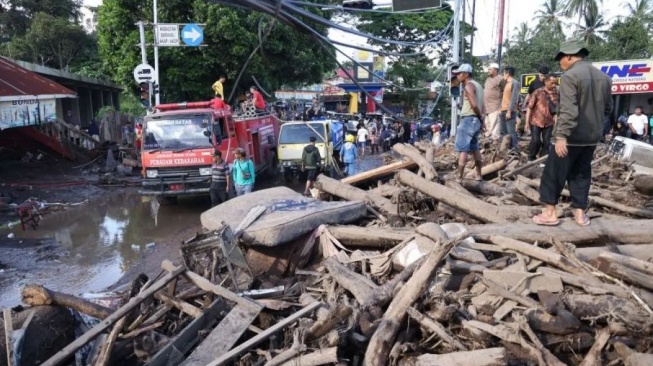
(192, 34)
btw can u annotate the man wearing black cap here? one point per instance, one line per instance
(585, 98)
(539, 82)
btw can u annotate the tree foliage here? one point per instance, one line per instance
(286, 57)
(626, 38)
(411, 72)
(51, 41)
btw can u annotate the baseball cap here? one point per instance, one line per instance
(494, 65)
(572, 46)
(462, 68)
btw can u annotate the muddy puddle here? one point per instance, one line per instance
(88, 248)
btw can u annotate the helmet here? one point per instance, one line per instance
(349, 138)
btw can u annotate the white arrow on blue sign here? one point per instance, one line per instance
(192, 34)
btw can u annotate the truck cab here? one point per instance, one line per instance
(294, 136)
(179, 140)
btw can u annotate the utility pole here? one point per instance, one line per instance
(141, 30)
(502, 10)
(471, 43)
(455, 61)
(157, 96)
(462, 31)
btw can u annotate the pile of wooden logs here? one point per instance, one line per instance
(440, 273)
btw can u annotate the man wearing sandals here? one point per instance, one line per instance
(585, 98)
(471, 121)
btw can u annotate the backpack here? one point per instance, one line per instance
(312, 158)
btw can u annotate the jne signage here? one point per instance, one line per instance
(628, 76)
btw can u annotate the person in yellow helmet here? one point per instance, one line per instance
(217, 87)
(349, 155)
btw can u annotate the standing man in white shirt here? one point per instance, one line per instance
(362, 139)
(492, 101)
(638, 125)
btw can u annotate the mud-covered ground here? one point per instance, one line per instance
(104, 239)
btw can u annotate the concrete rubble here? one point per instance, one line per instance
(418, 270)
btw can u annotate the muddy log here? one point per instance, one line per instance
(383, 339)
(480, 210)
(629, 262)
(485, 188)
(644, 184)
(626, 274)
(413, 154)
(624, 231)
(632, 358)
(386, 190)
(605, 307)
(36, 295)
(562, 323)
(488, 169)
(350, 193)
(481, 357)
(360, 286)
(377, 237)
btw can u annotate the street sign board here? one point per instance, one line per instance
(412, 5)
(144, 73)
(192, 34)
(167, 35)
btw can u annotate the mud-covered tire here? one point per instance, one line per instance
(167, 200)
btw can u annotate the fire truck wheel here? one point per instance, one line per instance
(167, 200)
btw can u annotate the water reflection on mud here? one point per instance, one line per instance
(91, 246)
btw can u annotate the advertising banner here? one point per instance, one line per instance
(628, 76)
(19, 113)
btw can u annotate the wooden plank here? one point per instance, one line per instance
(265, 334)
(217, 344)
(9, 328)
(206, 285)
(379, 172)
(534, 283)
(188, 337)
(64, 353)
(185, 307)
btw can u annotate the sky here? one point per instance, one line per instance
(486, 20)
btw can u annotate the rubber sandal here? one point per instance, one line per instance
(537, 219)
(586, 221)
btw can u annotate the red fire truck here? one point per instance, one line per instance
(179, 140)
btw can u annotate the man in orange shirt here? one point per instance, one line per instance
(259, 102)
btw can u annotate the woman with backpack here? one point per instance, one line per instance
(243, 172)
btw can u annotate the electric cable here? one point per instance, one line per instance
(357, 10)
(292, 20)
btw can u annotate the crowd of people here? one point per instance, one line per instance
(565, 123)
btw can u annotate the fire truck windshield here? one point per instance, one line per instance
(176, 132)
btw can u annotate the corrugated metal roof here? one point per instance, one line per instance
(17, 82)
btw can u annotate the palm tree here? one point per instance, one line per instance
(642, 10)
(522, 34)
(581, 8)
(592, 24)
(550, 14)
